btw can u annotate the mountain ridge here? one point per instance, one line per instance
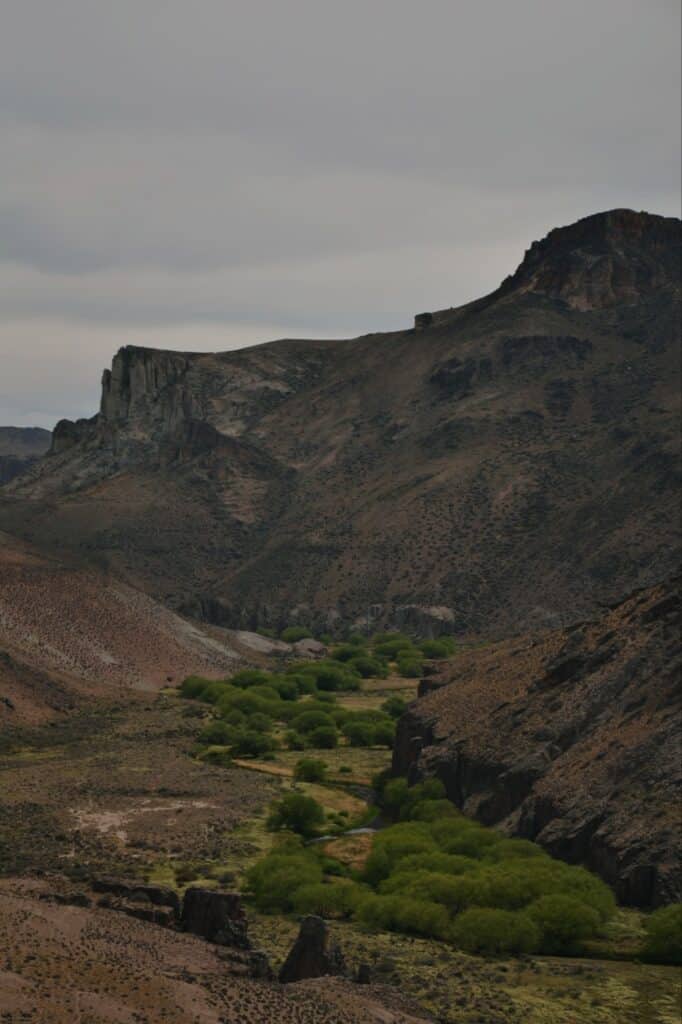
(393, 474)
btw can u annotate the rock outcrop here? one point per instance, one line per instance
(215, 916)
(154, 903)
(313, 955)
(571, 739)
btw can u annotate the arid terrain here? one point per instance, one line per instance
(421, 477)
(505, 473)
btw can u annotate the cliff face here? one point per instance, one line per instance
(420, 477)
(572, 739)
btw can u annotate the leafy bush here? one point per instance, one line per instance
(441, 648)
(394, 795)
(275, 879)
(394, 706)
(192, 687)
(564, 922)
(294, 740)
(250, 677)
(404, 914)
(217, 732)
(249, 743)
(664, 935)
(410, 667)
(392, 648)
(358, 733)
(286, 687)
(297, 812)
(307, 721)
(325, 737)
(310, 769)
(495, 932)
(344, 652)
(368, 667)
(292, 634)
(368, 728)
(260, 722)
(336, 899)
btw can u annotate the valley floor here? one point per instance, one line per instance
(114, 790)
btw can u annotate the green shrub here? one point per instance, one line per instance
(368, 728)
(292, 634)
(495, 932)
(286, 687)
(213, 691)
(564, 922)
(260, 722)
(358, 733)
(446, 863)
(233, 717)
(296, 812)
(294, 740)
(384, 734)
(336, 899)
(394, 707)
(664, 935)
(410, 668)
(325, 737)
(404, 914)
(310, 769)
(392, 649)
(217, 732)
(275, 879)
(331, 676)
(441, 648)
(249, 743)
(389, 638)
(344, 652)
(394, 796)
(193, 686)
(433, 810)
(368, 667)
(307, 721)
(250, 677)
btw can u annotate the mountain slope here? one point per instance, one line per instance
(19, 448)
(502, 466)
(69, 631)
(571, 739)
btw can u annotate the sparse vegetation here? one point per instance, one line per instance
(664, 935)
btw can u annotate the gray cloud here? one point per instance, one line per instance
(214, 174)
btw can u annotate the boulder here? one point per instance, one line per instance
(215, 916)
(313, 954)
(309, 648)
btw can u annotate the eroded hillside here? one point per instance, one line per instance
(571, 739)
(502, 466)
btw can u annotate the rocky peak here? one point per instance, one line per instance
(140, 377)
(609, 258)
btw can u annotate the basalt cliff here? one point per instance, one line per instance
(509, 465)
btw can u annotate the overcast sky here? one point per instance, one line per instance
(208, 174)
